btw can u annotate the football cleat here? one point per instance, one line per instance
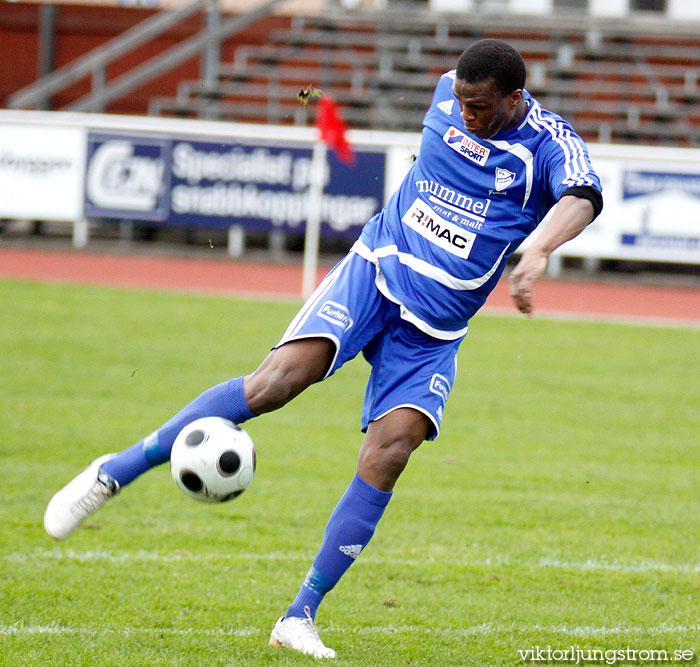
(301, 635)
(82, 496)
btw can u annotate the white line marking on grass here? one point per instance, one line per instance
(594, 564)
(616, 566)
(57, 629)
(595, 631)
(143, 555)
(483, 629)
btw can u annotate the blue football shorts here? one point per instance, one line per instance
(409, 367)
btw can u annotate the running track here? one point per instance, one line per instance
(614, 301)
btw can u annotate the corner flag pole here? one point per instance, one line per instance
(331, 133)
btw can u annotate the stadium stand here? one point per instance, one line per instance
(632, 80)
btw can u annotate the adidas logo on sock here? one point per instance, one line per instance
(352, 550)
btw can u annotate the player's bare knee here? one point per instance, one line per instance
(395, 459)
(388, 458)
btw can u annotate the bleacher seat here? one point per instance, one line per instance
(632, 81)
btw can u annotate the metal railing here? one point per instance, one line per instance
(95, 63)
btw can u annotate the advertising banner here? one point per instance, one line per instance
(660, 214)
(59, 167)
(214, 183)
(41, 172)
(651, 212)
(127, 177)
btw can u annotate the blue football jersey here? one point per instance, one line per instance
(465, 206)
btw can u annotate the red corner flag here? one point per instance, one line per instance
(333, 128)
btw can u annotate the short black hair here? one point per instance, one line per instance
(492, 59)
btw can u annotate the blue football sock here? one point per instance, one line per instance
(348, 532)
(223, 400)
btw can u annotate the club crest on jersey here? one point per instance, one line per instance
(465, 146)
(503, 178)
(336, 314)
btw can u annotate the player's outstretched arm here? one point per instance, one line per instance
(571, 216)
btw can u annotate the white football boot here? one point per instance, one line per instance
(300, 634)
(85, 494)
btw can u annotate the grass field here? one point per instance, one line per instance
(559, 507)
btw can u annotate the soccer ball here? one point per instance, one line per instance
(212, 460)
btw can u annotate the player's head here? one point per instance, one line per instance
(492, 59)
(489, 83)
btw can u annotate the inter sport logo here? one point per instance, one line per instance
(465, 146)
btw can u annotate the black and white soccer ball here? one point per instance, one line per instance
(213, 460)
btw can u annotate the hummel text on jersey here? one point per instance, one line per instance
(470, 149)
(422, 219)
(455, 201)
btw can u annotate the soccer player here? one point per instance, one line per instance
(492, 163)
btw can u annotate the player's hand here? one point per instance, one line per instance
(527, 272)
